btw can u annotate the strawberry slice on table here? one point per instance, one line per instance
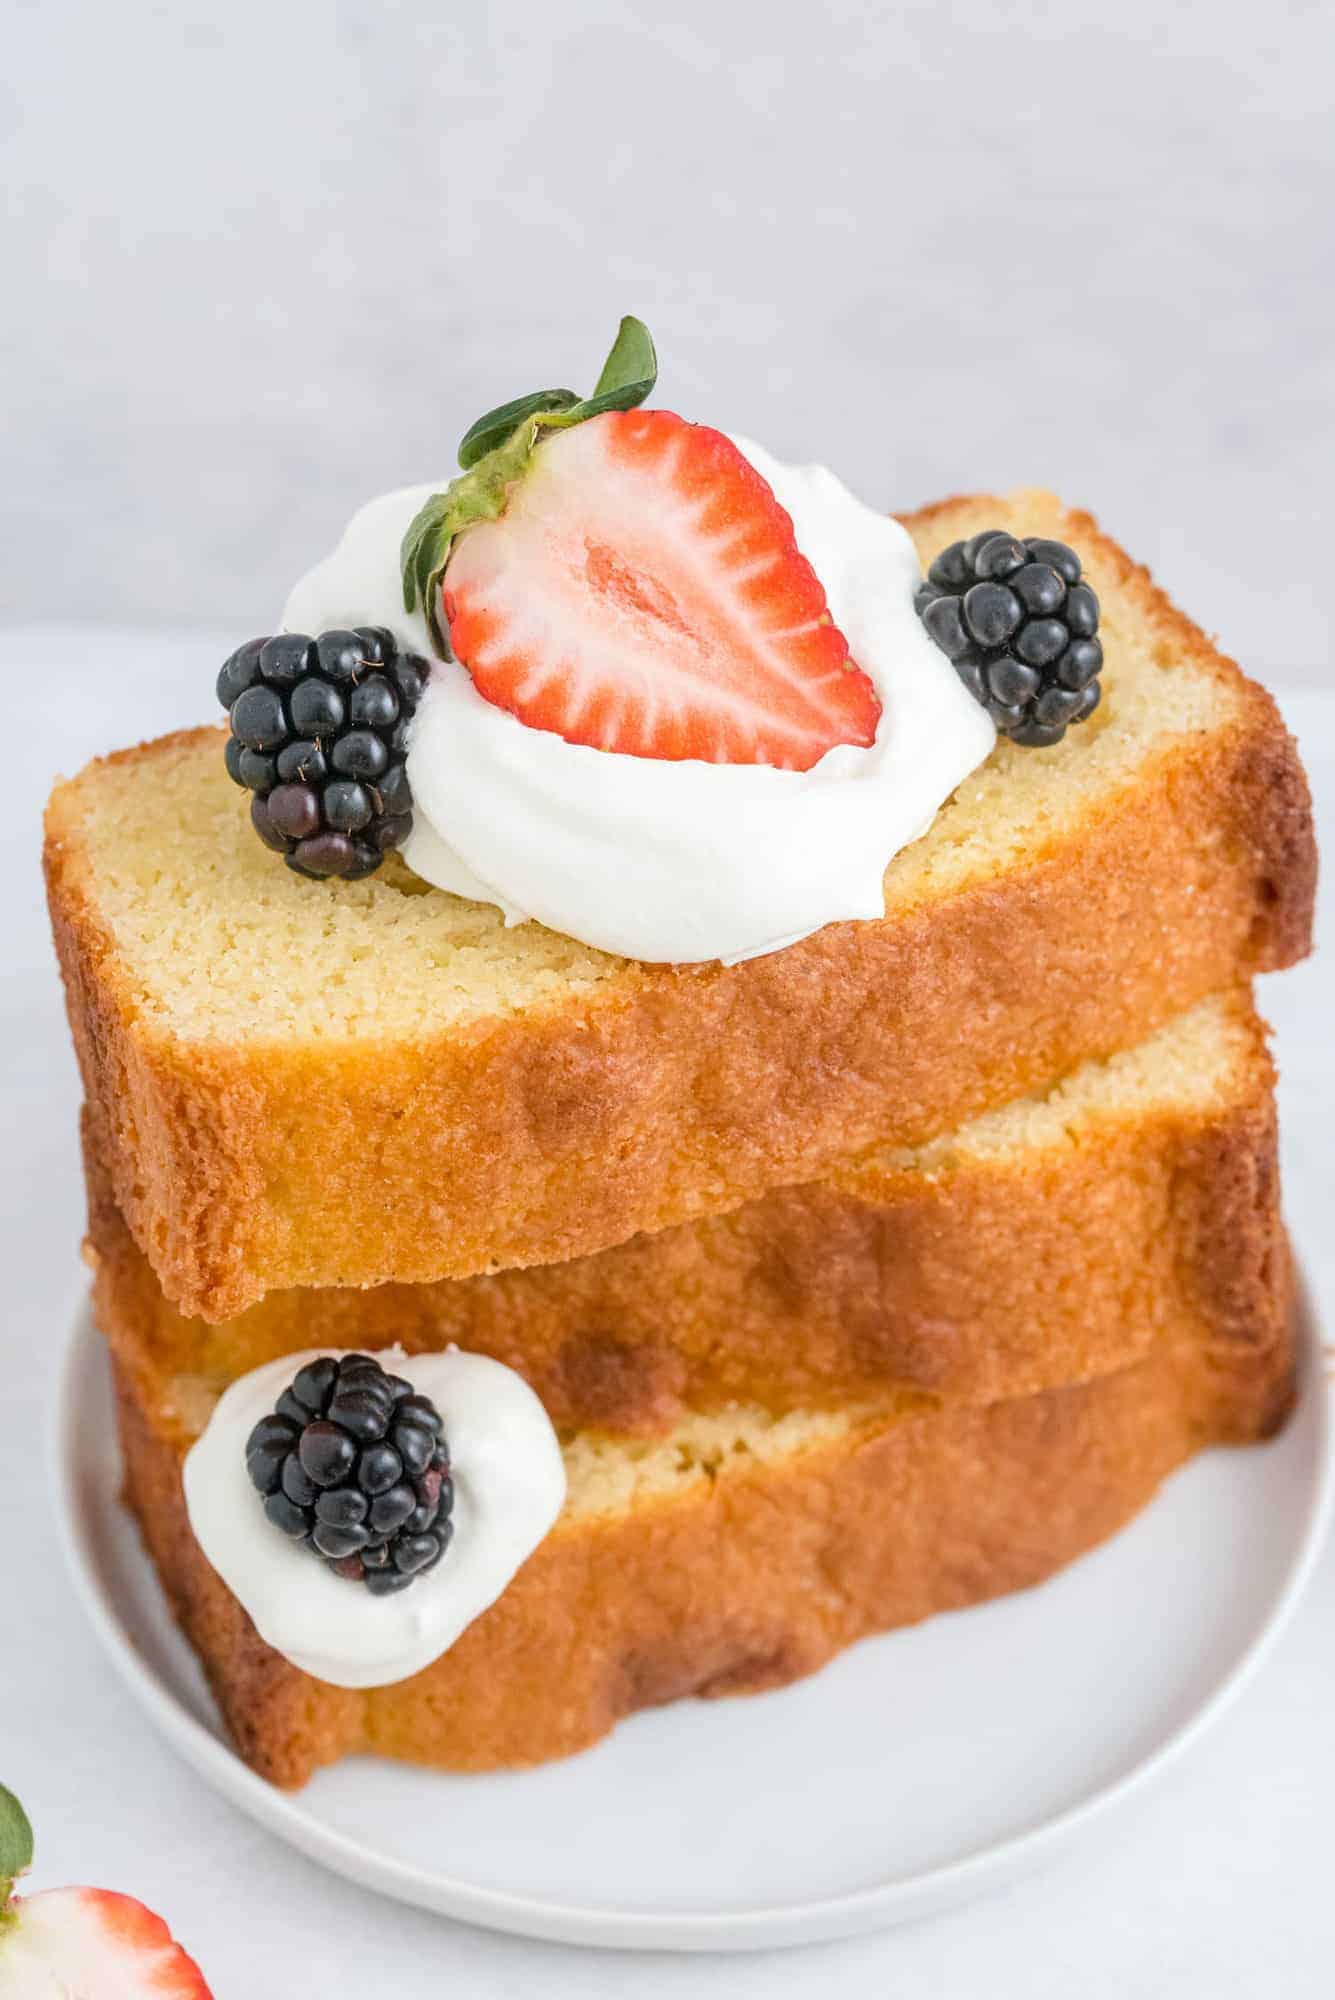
(82, 1944)
(643, 592)
(65, 1944)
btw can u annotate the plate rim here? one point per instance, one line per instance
(897, 1899)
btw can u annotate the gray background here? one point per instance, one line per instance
(268, 258)
(263, 261)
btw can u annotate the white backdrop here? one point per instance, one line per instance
(267, 258)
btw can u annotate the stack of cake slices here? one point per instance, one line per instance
(861, 1281)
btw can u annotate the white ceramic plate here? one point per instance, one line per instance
(918, 1771)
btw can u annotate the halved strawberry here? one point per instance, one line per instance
(89, 1943)
(93, 1942)
(643, 592)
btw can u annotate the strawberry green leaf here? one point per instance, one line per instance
(476, 495)
(496, 426)
(629, 373)
(15, 1845)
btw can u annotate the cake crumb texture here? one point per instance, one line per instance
(739, 1554)
(355, 1083)
(1135, 1204)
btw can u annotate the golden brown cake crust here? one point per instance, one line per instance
(673, 1093)
(744, 1583)
(992, 1274)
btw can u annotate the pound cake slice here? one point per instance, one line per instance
(374, 1080)
(739, 1553)
(1134, 1206)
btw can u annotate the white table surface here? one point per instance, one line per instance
(1219, 1883)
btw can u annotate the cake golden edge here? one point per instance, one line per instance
(1154, 1223)
(755, 1575)
(705, 1086)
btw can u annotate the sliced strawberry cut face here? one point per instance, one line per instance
(96, 1943)
(643, 592)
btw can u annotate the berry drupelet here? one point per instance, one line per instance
(1020, 627)
(352, 1463)
(319, 729)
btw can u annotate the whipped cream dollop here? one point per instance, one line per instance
(509, 1487)
(686, 861)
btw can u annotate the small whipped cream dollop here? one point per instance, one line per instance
(686, 861)
(509, 1487)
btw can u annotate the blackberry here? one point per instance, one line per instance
(319, 737)
(353, 1464)
(1020, 627)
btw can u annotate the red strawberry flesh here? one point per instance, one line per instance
(643, 592)
(94, 1942)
